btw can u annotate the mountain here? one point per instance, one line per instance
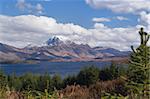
(112, 51)
(57, 50)
(8, 53)
(55, 41)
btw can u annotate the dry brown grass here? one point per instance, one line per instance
(74, 92)
(95, 91)
(15, 95)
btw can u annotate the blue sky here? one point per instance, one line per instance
(69, 11)
(106, 23)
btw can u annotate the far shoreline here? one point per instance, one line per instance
(118, 60)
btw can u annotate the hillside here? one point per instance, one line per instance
(57, 50)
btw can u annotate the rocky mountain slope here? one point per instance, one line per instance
(57, 50)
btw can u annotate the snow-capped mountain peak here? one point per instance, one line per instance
(54, 41)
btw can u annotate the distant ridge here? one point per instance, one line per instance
(57, 50)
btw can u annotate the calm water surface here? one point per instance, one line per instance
(62, 68)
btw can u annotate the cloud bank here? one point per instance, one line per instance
(121, 6)
(140, 8)
(22, 30)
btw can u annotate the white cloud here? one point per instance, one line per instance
(29, 29)
(39, 8)
(121, 18)
(121, 6)
(99, 25)
(102, 19)
(21, 4)
(145, 19)
(34, 9)
(140, 8)
(35, 30)
(120, 38)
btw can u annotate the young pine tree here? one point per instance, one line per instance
(139, 67)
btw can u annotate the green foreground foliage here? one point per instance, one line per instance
(33, 85)
(113, 82)
(139, 67)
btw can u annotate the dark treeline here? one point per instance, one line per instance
(87, 76)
